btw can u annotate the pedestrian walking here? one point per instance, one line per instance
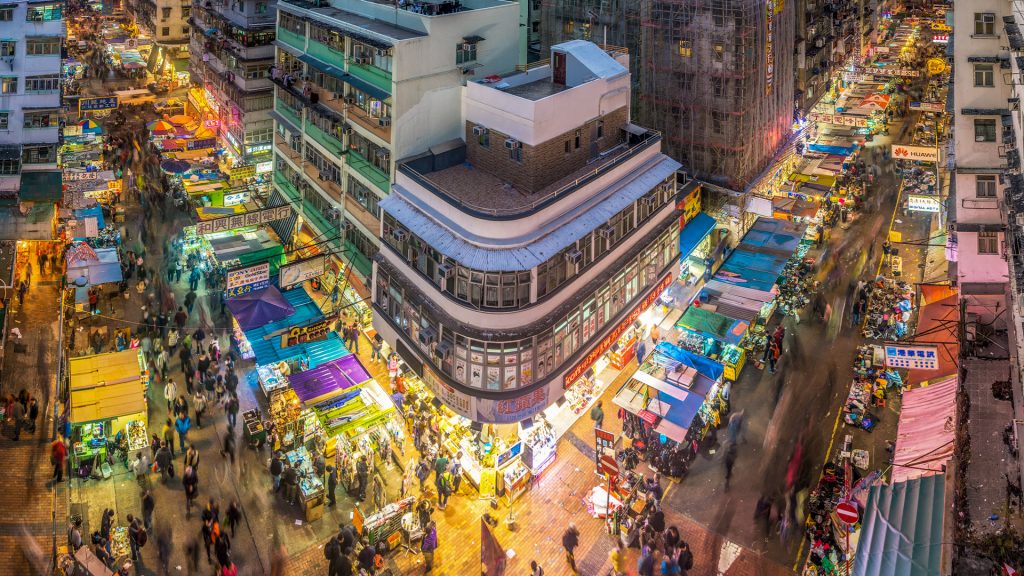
(570, 540)
(199, 405)
(730, 461)
(170, 393)
(136, 537)
(192, 457)
(163, 460)
(168, 435)
(58, 457)
(148, 505)
(736, 426)
(276, 469)
(774, 353)
(429, 546)
(233, 516)
(332, 485)
(597, 415)
(229, 445)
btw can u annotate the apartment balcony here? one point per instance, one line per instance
(40, 135)
(374, 126)
(369, 221)
(290, 192)
(331, 143)
(331, 189)
(369, 73)
(291, 114)
(368, 170)
(296, 41)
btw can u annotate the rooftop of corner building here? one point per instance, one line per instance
(477, 190)
(537, 82)
(367, 13)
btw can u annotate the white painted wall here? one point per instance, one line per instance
(23, 65)
(534, 122)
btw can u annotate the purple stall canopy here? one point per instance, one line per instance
(328, 379)
(259, 308)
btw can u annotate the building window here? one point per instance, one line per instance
(685, 48)
(600, 129)
(165, 12)
(576, 140)
(985, 130)
(984, 24)
(10, 167)
(4, 118)
(985, 186)
(8, 47)
(9, 85)
(516, 154)
(42, 46)
(988, 243)
(568, 27)
(261, 8)
(717, 121)
(184, 30)
(483, 137)
(465, 52)
(291, 23)
(46, 119)
(535, 26)
(48, 83)
(984, 75)
(165, 31)
(719, 52)
(44, 13)
(6, 14)
(43, 154)
(186, 11)
(568, 148)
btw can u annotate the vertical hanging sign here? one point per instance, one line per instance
(769, 47)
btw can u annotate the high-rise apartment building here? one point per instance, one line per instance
(167, 22)
(30, 106)
(510, 256)
(983, 151)
(360, 84)
(232, 53)
(716, 78)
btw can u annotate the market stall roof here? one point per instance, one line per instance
(924, 440)
(255, 309)
(266, 340)
(105, 268)
(938, 324)
(82, 216)
(704, 366)
(695, 231)
(36, 225)
(713, 324)
(41, 186)
(232, 247)
(106, 386)
(329, 379)
(901, 531)
(677, 420)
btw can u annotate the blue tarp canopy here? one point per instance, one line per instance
(704, 366)
(832, 149)
(83, 214)
(901, 529)
(694, 232)
(762, 254)
(255, 309)
(267, 348)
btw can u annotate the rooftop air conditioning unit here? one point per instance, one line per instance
(512, 144)
(479, 130)
(398, 234)
(574, 256)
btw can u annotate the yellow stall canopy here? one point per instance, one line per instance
(106, 386)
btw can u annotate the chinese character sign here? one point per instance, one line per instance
(911, 357)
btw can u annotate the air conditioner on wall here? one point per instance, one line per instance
(512, 144)
(446, 270)
(479, 130)
(398, 234)
(574, 256)
(607, 231)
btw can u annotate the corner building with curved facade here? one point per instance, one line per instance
(512, 258)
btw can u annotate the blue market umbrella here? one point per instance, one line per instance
(175, 166)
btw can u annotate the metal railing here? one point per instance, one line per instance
(612, 51)
(650, 138)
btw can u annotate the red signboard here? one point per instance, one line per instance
(605, 344)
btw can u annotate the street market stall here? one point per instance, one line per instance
(107, 406)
